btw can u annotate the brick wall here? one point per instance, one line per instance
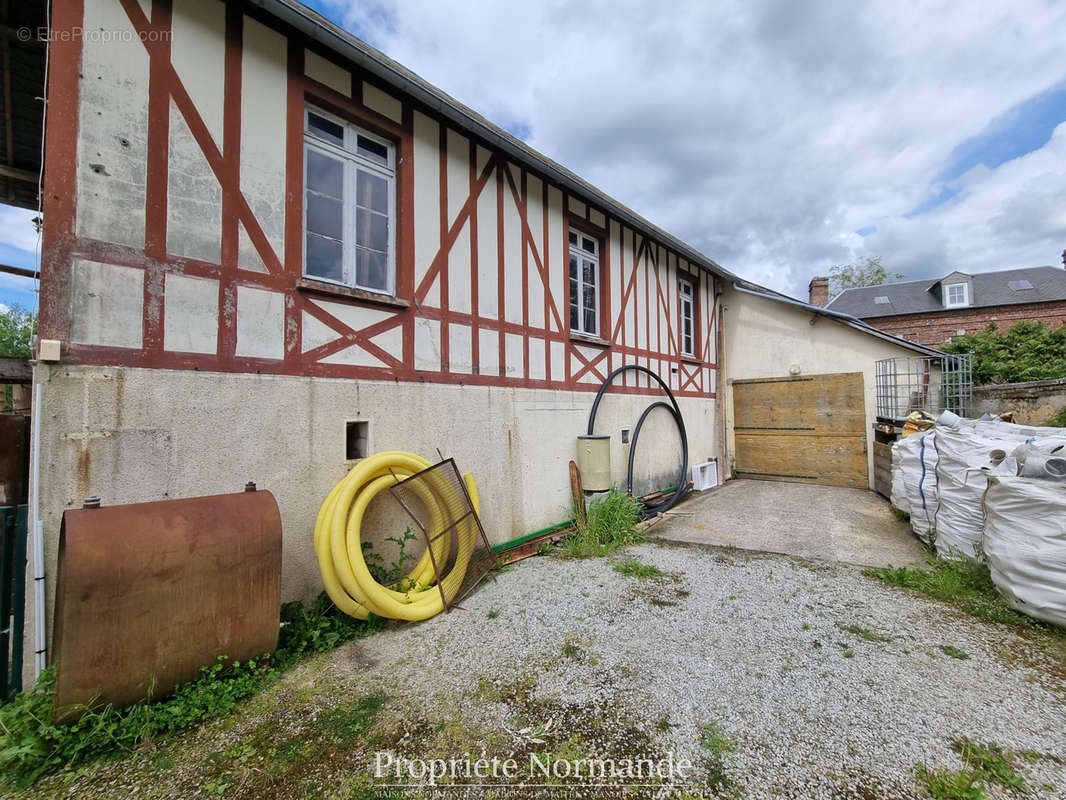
(937, 327)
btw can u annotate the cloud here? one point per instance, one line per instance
(767, 134)
(17, 230)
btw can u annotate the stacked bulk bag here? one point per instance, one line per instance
(917, 467)
(1024, 543)
(898, 497)
(962, 452)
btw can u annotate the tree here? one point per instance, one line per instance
(17, 325)
(868, 273)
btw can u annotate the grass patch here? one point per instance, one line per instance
(493, 613)
(611, 524)
(965, 585)
(31, 745)
(632, 568)
(949, 784)
(347, 722)
(902, 516)
(954, 652)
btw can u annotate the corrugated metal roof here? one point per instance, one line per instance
(986, 289)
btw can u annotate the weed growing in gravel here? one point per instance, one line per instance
(611, 523)
(632, 568)
(31, 745)
(718, 746)
(949, 784)
(867, 634)
(902, 516)
(985, 764)
(964, 584)
(954, 652)
(493, 613)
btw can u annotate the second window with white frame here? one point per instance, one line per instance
(584, 283)
(688, 318)
(349, 205)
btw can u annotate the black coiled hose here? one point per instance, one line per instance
(682, 479)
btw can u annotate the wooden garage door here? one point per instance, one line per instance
(809, 428)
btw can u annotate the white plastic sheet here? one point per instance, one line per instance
(1025, 544)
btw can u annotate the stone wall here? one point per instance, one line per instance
(1033, 402)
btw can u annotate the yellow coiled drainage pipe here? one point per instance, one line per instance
(338, 543)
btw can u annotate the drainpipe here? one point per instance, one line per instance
(39, 638)
(720, 389)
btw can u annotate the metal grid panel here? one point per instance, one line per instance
(438, 501)
(931, 383)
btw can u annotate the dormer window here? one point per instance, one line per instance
(882, 300)
(956, 294)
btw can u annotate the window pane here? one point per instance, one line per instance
(588, 245)
(573, 238)
(375, 151)
(325, 258)
(573, 312)
(590, 320)
(589, 272)
(589, 299)
(573, 268)
(371, 230)
(325, 175)
(372, 191)
(371, 269)
(325, 216)
(325, 129)
(688, 329)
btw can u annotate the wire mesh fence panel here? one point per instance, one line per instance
(438, 501)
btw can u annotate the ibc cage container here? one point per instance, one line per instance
(924, 383)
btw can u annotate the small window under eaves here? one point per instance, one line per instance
(882, 300)
(1019, 285)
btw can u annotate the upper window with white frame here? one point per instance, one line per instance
(687, 292)
(956, 294)
(584, 283)
(349, 205)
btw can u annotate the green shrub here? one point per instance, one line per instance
(611, 524)
(1028, 351)
(31, 745)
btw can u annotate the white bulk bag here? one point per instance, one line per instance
(898, 497)
(917, 463)
(961, 485)
(1025, 544)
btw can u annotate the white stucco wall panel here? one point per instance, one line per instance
(460, 349)
(315, 333)
(459, 272)
(328, 73)
(427, 345)
(106, 304)
(112, 146)
(382, 102)
(190, 319)
(194, 197)
(487, 251)
(264, 80)
(260, 323)
(426, 170)
(198, 52)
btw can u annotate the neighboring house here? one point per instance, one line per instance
(934, 312)
(269, 250)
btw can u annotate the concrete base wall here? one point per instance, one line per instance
(133, 435)
(1033, 402)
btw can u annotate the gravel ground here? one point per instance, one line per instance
(573, 659)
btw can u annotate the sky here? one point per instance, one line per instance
(777, 138)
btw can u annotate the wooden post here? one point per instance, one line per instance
(578, 494)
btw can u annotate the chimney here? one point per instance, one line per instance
(819, 291)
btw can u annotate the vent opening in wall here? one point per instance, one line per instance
(357, 440)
